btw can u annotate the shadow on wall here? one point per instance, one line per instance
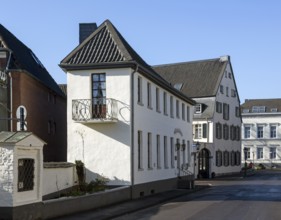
(118, 131)
(90, 175)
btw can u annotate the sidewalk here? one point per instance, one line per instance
(130, 206)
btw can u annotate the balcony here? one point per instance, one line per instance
(97, 110)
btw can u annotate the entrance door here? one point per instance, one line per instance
(203, 164)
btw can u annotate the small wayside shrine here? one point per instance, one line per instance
(21, 165)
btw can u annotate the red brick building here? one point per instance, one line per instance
(30, 93)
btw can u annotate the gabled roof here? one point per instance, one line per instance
(270, 105)
(105, 45)
(198, 78)
(106, 48)
(24, 59)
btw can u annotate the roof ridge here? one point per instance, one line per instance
(186, 62)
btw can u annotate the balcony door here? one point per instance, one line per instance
(98, 95)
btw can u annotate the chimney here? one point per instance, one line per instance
(224, 58)
(85, 30)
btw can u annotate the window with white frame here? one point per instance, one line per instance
(259, 152)
(198, 131)
(247, 131)
(272, 152)
(260, 131)
(247, 153)
(198, 109)
(140, 150)
(258, 109)
(273, 131)
(139, 90)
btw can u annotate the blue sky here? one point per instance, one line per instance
(161, 32)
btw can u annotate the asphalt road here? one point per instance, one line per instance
(257, 197)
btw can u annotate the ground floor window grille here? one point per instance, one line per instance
(25, 174)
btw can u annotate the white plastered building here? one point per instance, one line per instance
(124, 121)
(261, 132)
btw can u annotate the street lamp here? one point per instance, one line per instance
(245, 158)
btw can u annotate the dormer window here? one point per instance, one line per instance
(36, 60)
(258, 109)
(178, 86)
(198, 108)
(273, 110)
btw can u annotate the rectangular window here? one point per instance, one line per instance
(177, 108)
(218, 107)
(260, 132)
(218, 130)
(140, 150)
(158, 151)
(259, 153)
(218, 158)
(272, 152)
(272, 131)
(225, 132)
(149, 95)
(188, 152)
(183, 152)
(198, 109)
(165, 103)
(247, 153)
(205, 130)
(165, 153)
(198, 131)
(183, 111)
(237, 112)
(139, 90)
(25, 174)
(225, 111)
(221, 89)
(258, 109)
(233, 93)
(226, 91)
(187, 114)
(171, 106)
(157, 100)
(98, 95)
(172, 152)
(149, 151)
(247, 132)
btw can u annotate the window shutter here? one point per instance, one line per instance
(204, 130)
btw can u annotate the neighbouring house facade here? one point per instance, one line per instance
(124, 121)
(30, 99)
(261, 132)
(216, 119)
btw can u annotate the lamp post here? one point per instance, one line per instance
(245, 158)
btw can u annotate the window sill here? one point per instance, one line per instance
(149, 107)
(140, 103)
(158, 111)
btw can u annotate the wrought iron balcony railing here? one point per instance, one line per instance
(95, 110)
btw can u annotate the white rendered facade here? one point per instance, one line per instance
(118, 149)
(261, 138)
(221, 127)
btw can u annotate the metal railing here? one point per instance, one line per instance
(94, 109)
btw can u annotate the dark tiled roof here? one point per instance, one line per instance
(24, 59)
(268, 103)
(107, 47)
(199, 78)
(63, 88)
